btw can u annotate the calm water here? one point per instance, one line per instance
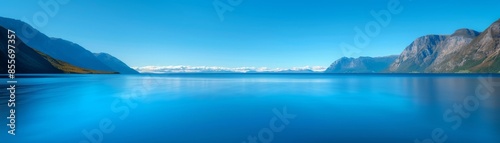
(229, 108)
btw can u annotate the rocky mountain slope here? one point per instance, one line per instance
(28, 60)
(361, 64)
(60, 49)
(114, 63)
(463, 51)
(427, 51)
(481, 55)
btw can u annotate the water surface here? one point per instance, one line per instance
(229, 108)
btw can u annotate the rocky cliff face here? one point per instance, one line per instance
(361, 64)
(450, 47)
(428, 52)
(418, 55)
(481, 55)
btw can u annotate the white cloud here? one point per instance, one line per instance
(215, 69)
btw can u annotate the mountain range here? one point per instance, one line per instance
(63, 50)
(214, 69)
(463, 51)
(29, 60)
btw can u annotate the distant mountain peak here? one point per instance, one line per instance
(102, 54)
(346, 58)
(495, 29)
(468, 33)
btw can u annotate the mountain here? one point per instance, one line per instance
(54, 47)
(427, 52)
(214, 69)
(114, 63)
(481, 55)
(29, 60)
(465, 50)
(361, 64)
(451, 46)
(418, 55)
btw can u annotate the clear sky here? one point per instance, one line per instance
(260, 33)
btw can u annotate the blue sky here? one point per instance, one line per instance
(259, 33)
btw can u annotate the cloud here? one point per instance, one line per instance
(215, 69)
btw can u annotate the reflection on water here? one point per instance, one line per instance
(232, 107)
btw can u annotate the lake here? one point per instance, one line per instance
(255, 108)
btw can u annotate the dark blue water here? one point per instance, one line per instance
(236, 108)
